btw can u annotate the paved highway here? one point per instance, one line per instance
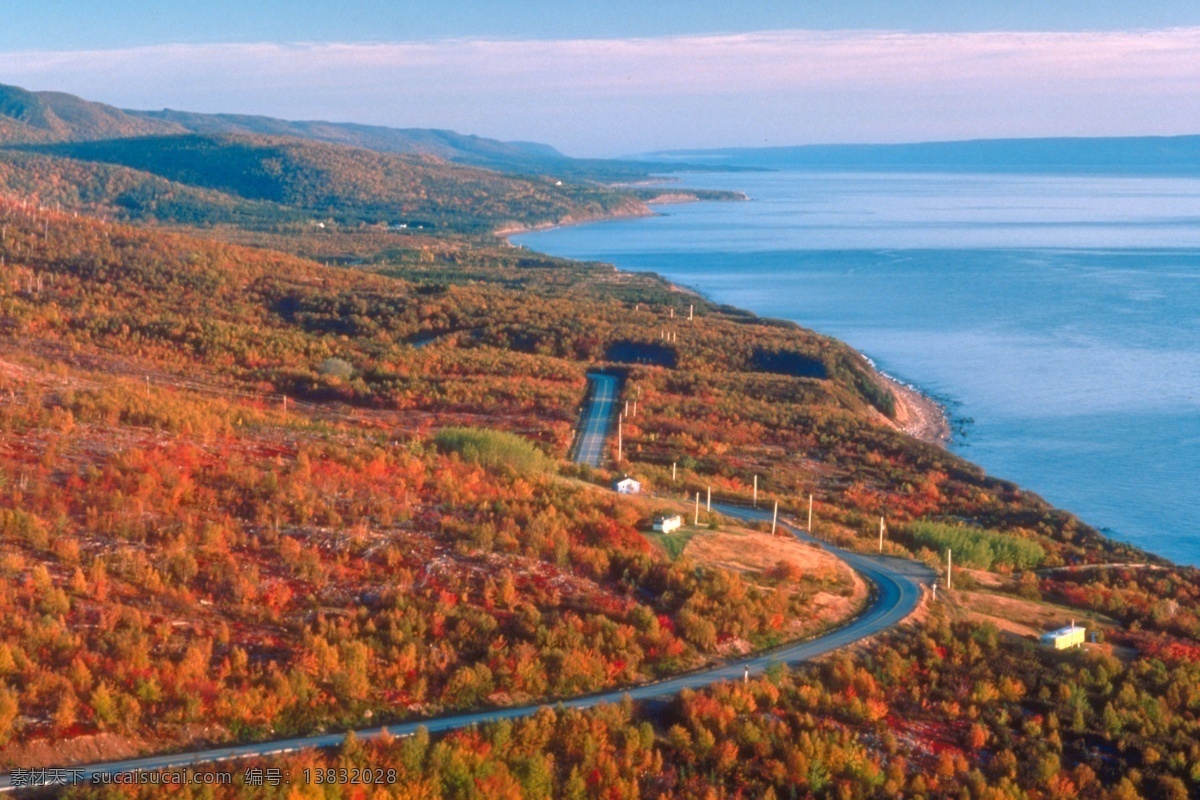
(897, 591)
(598, 419)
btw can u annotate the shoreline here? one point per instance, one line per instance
(922, 417)
(515, 229)
(918, 414)
(634, 210)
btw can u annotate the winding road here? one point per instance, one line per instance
(896, 593)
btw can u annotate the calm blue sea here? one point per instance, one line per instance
(1059, 315)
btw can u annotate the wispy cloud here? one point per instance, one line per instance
(607, 95)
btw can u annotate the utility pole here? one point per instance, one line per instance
(881, 535)
(708, 503)
(620, 435)
(756, 491)
(775, 518)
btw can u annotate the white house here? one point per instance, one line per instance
(1061, 639)
(666, 524)
(627, 485)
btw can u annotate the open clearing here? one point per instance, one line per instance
(837, 592)
(751, 551)
(1024, 617)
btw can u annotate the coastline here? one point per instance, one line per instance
(917, 414)
(642, 209)
(631, 210)
(921, 417)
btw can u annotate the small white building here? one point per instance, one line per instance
(666, 524)
(627, 485)
(1063, 638)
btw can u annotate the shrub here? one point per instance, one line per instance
(493, 449)
(977, 547)
(336, 368)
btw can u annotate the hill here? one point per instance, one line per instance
(259, 172)
(272, 180)
(116, 192)
(42, 117)
(56, 116)
(520, 157)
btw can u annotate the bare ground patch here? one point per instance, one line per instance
(836, 592)
(77, 750)
(1023, 617)
(744, 550)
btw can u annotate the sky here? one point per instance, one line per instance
(614, 77)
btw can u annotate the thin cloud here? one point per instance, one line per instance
(616, 94)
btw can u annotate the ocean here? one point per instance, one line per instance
(1056, 317)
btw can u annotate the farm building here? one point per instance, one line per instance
(667, 523)
(1061, 639)
(627, 485)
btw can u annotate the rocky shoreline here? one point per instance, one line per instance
(918, 415)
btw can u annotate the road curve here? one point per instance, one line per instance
(897, 591)
(597, 419)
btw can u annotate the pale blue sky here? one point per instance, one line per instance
(605, 78)
(56, 24)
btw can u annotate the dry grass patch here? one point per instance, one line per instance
(750, 551)
(835, 591)
(1024, 617)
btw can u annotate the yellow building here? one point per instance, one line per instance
(1061, 639)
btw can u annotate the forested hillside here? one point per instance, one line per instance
(265, 174)
(31, 117)
(263, 182)
(116, 192)
(54, 117)
(228, 504)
